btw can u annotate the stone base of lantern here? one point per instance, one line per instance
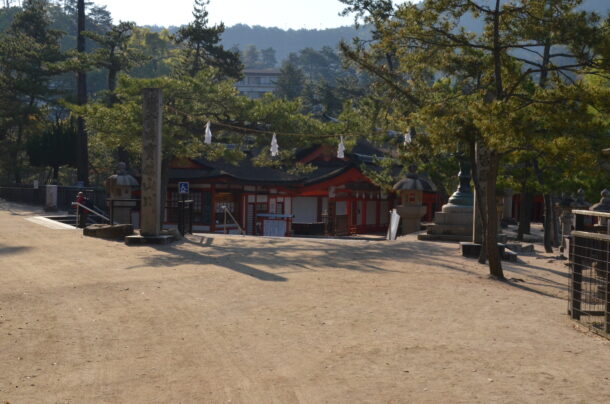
(410, 217)
(452, 223)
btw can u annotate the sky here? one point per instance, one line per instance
(296, 14)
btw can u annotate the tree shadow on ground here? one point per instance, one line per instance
(270, 259)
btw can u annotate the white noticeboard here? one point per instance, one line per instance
(393, 227)
(51, 199)
(183, 187)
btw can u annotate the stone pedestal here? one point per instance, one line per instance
(454, 221)
(411, 218)
(107, 231)
(119, 188)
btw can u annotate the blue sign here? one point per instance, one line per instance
(183, 187)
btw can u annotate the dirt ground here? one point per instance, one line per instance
(217, 319)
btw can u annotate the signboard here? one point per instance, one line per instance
(393, 227)
(183, 188)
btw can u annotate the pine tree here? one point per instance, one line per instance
(201, 46)
(115, 53)
(29, 59)
(290, 83)
(54, 147)
(482, 87)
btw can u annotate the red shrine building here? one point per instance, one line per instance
(334, 198)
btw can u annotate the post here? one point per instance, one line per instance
(152, 100)
(606, 283)
(477, 227)
(112, 212)
(191, 217)
(576, 261)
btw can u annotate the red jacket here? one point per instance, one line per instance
(81, 199)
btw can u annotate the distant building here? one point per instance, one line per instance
(257, 82)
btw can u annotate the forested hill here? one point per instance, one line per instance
(287, 41)
(283, 41)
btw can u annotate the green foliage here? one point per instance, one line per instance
(513, 86)
(158, 50)
(291, 82)
(189, 103)
(29, 59)
(115, 52)
(201, 46)
(55, 147)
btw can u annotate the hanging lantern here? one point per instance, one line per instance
(274, 147)
(208, 134)
(341, 149)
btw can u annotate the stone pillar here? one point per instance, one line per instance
(151, 162)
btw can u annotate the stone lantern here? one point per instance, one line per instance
(566, 218)
(119, 187)
(411, 190)
(454, 221)
(602, 206)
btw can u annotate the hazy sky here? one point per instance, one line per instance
(279, 13)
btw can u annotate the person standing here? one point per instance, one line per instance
(81, 211)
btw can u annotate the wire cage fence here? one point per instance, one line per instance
(589, 288)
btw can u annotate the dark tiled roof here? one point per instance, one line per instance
(246, 172)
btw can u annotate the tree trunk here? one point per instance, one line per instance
(548, 223)
(83, 150)
(491, 230)
(18, 147)
(112, 74)
(556, 228)
(525, 214)
(55, 175)
(548, 211)
(478, 210)
(487, 167)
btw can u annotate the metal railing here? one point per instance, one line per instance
(91, 209)
(228, 212)
(589, 246)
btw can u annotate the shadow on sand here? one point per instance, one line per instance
(282, 257)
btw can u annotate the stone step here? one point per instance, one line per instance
(473, 250)
(444, 237)
(450, 229)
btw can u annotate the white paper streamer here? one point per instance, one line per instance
(274, 147)
(341, 149)
(407, 137)
(208, 134)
